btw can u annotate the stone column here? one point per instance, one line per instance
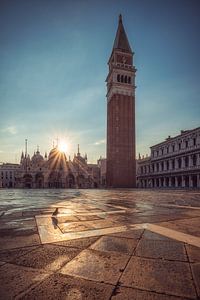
(159, 185)
(183, 181)
(176, 163)
(190, 161)
(190, 181)
(183, 162)
(176, 181)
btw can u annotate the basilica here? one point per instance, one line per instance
(52, 171)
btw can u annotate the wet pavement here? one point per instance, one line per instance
(99, 244)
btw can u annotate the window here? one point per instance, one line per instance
(173, 148)
(186, 144)
(122, 78)
(194, 142)
(118, 78)
(179, 146)
(173, 164)
(129, 80)
(125, 79)
(157, 167)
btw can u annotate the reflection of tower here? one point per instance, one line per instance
(121, 169)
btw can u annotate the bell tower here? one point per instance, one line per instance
(121, 164)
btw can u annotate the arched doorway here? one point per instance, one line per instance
(39, 180)
(179, 180)
(71, 181)
(28, 181)
(186, 181)
(194, 181)
(81, 181)
(173, 181)
(55, 180)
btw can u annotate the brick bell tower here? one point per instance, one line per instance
(121, 164)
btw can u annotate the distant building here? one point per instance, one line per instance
(121, 164)
(173, 163)
(7, 175)
(102, 167)
(54, 171)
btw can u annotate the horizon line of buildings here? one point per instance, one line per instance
(173, 163)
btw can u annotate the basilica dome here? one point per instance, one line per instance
(37, 158)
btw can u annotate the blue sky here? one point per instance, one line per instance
(53, 66)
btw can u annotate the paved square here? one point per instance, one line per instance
(112, 244)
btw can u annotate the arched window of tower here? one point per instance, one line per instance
(125, 79)
(118, 78)
(122, 78)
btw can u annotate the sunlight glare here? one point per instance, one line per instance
(62, 146)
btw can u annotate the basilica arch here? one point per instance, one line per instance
(39, 180)
(28, 181)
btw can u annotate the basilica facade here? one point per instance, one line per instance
(173, 163)
(52, 171)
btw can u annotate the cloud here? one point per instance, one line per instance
(100, 142)
(10, 129)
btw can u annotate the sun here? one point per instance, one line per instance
(62, 146)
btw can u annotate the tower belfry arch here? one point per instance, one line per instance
(121, 164)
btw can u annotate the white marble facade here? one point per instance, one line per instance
(174, 163)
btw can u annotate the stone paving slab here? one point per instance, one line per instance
(193, 253)
(188, 226)
(149, 235)
(78, 243)
(65, 287)
(196, 274)
(9, 242)
(173, 278)
(90, 218)
(9, 255)
(132, 234)
(15, 279)
(170, 250)
(97, 266)
(116, 244)
(47, 257)
(123, 293)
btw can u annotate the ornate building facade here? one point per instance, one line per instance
(174, 163)
(121, 165)
(52, 171)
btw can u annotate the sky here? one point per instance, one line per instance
(53, 66)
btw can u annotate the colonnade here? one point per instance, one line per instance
(174, 181)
